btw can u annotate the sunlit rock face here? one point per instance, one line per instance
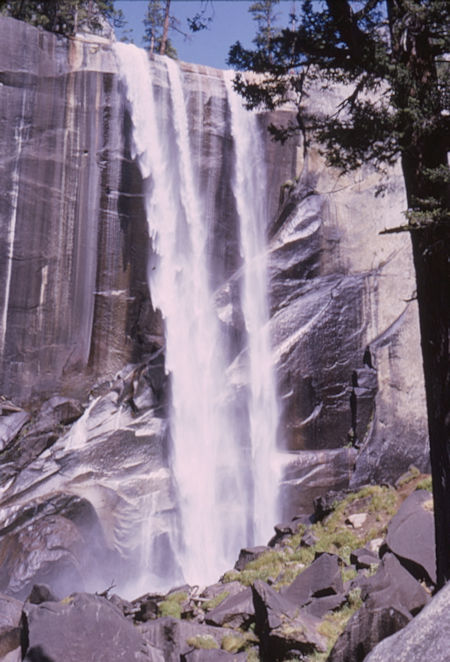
(345, 324)
(75, 309)
(71, 277)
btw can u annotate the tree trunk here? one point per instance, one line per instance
(165, 36)
(431, 254)
(424, 151)
(431, 261)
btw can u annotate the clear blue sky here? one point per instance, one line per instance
(231, 22)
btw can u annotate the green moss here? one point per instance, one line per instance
(172, 605)
(331, 627)
(425, 484)
(348, 573)
(205, 641)
(215, 602)
(412, 473)
(253, 655)
(235, 643)
(269, 564)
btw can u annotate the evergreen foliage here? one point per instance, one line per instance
(393, 58)
(65, 16)
(157, 23)
(263, 12)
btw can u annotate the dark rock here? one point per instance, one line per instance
(322, 578)
(10, 643)
(392, 585)
(12, 632)
(148, 610)
(61, 411)
(10, 611)
(83, 627)
(325, 503)
(10, 426)
(410, 535)
(231, 588)
(212, 655)
(41, 593)
(308, 539)
(248, 554)
(63, 534)
(310, 474)
(283, 628)
(235, 611)
(363, 558)
(177, 637)
(284, 530)
(364, 630)
(426, 637)
(318, 607)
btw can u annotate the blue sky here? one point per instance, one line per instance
(231, 22)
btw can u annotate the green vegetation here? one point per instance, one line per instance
(425, 484)
(65, 16)
(239, 641)
(205, 641)
(282, 565)
(216, 601)
(172, 605)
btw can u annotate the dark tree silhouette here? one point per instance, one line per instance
(394, 55)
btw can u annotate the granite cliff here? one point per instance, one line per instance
(78, 332)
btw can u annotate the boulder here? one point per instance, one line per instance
(10, 426)
(84, 627)
(177, 637)
(12, 634)
(59, 410)
(426, 637)
(204, 655)
(41, 593)
(410, 535)
(363, 558)
(49, 542)
(235, 611)
(392, 585)
(364, 630)
(248, 554)
(283, 628)
(322, 578)
(318, 607)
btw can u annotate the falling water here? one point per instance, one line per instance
(250, 190)
(222, 475)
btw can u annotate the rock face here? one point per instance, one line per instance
(75, 310)
(426, 637)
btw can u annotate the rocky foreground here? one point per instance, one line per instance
(328, 587)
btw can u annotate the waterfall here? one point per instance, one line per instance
(222, 448)
(250, 190)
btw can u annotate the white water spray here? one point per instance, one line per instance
(250, 190)
(225, 487)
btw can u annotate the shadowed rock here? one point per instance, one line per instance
(410, 535)
(235, 611)
(321, 578)
(364, 630)
(426, 637)
(84, 627)
(283, 628)
(392, 585)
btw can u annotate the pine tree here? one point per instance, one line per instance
(263, 12)
(393, 55)
(157, 23)
(66, 16)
